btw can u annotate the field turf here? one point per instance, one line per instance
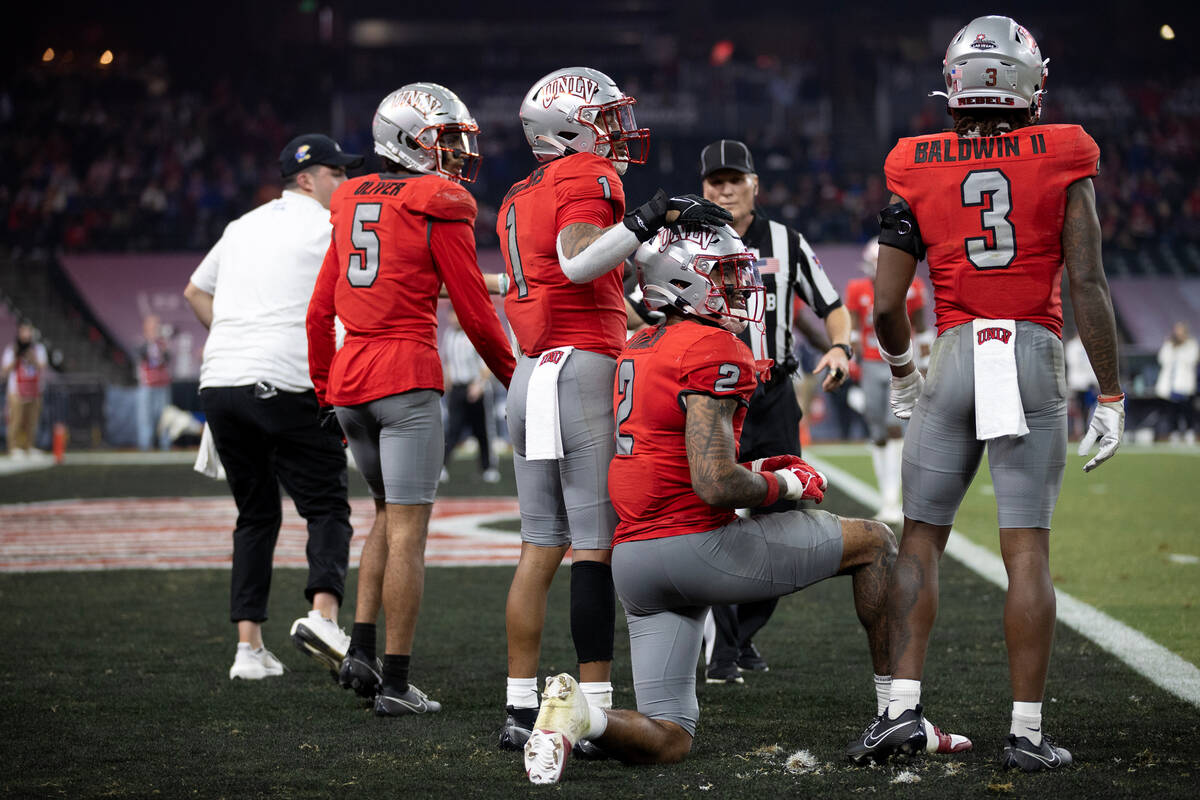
(115, 684)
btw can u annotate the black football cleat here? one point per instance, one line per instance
(885, 737)
(750, 660)
(390, 703)
(723, 673)
(517, 727)
(1020, 753)
(360, 674)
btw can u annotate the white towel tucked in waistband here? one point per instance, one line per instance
(207, 461)
(543, 433)
(998, 410)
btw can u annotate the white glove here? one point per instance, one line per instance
(904, 393)
(801, 482)
(1107, 427)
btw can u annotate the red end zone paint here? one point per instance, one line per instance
(183, 533)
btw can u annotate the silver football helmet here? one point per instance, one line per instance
(702, 272)
(581, 110)
(425, 128)
(994, 63)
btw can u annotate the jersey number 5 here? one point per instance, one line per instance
(364, 258)
(977, 188)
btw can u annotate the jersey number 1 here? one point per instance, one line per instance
(514, 252)
(977, 187)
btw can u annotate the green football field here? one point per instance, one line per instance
(1125, 537)
(115, 683)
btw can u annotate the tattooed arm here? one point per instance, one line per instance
(1089, 288)
(717, 477)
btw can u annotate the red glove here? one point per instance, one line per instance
(800, 481)
(773, 463)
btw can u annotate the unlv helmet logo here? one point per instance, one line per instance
(574, 85)
(704, 237)
(425, 103)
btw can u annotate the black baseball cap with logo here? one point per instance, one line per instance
(725, 154)
(311, 149)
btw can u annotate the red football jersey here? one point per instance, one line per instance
(396, 238)
(649, 479)
(860, 300)
(544, 308)
(991, 210)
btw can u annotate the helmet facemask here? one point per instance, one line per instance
(618, 138)
(735, 296)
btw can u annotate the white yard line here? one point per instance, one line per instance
(1148, 658)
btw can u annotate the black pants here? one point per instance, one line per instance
(265, 442)
(463, 414)
(771, 428)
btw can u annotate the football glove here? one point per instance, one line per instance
(904, 393)
(801, 482)
(773, 463)
(685, 209)
(1107, 426)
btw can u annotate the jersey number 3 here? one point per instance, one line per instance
(978, 188)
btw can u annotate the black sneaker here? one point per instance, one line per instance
(750, 660)
(517, 727)
(588, 750)
(360, 674)
(1020, 753)
(904, 735)
(723, 673)
(389, 703)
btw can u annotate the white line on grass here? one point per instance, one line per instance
(1148, 658)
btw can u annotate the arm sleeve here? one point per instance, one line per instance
(811, 281)
(893, 169)
(453, 248)
(319, 323)
(1085, 157)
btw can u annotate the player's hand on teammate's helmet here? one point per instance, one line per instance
(661, 209)
(327, 419)
(773, 463)
(904, 393)
(1107, 427)
(800, 481)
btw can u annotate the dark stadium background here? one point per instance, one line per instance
(117, 177)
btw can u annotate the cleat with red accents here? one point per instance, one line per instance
(938, 743)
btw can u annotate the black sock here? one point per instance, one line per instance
(362, 639)
(395, 672)
(593, 611)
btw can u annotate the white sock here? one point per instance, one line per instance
(245, 646)
(883, 690)
(1027, 721)
(522, 693)
(598, 693)
(906, 695)
(597, 722)
(879, 462)
(894, 465)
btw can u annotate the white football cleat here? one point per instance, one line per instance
(938, 743)
(563, 720)
(253, 665)
(321, 638)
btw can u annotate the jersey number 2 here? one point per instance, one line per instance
(977, 187)
(364, 258)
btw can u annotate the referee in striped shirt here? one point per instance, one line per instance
(789, 270)
(468, 399)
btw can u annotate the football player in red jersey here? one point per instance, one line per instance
(680, 398)
(998, 206)
(565, 233)
(398, 236)
(884, 428)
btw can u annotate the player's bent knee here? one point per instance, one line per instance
(865, 541)
(674, 742)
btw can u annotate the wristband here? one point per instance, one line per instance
(772, 488)
(1111, 398)
(900, 360)
(502, 284)
(845, 347)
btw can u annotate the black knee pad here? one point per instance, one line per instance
(593, 611)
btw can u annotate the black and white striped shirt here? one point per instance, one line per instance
(459, 358)
(790, 268)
